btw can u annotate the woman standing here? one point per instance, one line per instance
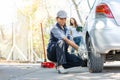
(76, 32)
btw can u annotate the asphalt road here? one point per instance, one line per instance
(11, 71)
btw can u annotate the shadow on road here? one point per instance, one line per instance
(108, 69)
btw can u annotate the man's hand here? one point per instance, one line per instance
(82, 52)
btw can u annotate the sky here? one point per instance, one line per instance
(68, 6)
(8, 9)
(56, 5)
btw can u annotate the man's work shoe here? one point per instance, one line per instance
(61, 70)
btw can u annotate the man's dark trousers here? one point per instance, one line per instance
(57, 52)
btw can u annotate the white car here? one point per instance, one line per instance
(102, 33)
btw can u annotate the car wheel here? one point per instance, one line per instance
(95, 60)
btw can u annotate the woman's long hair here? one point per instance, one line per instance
(75, 22)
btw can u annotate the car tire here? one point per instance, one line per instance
(95, 59)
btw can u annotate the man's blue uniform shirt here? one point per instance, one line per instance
(57, 33)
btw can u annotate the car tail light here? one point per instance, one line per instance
(105, 10)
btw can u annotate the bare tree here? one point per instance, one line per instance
(88, 3)
(77, 10)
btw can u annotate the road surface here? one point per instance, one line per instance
(11, 71)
